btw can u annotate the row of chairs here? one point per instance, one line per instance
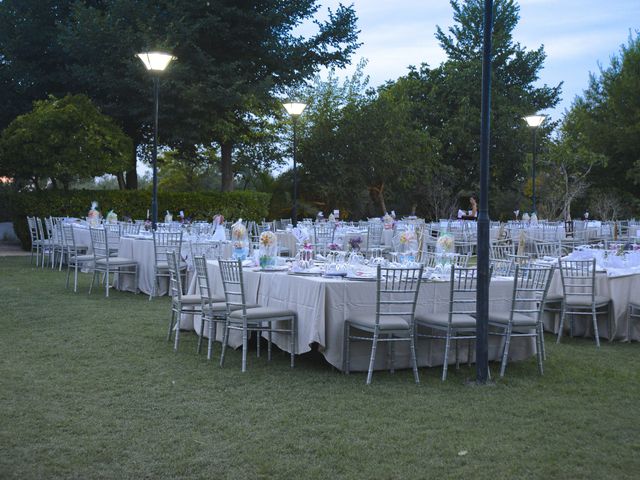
(395, 318)
(233, 311)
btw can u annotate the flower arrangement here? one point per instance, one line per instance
(147, 225)
(354, 243)
(112, 217)
(267, 239)
(406, 237)
(334, 247)
(93, 217)
(445, 243)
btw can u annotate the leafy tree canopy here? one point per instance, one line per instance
(61, 139)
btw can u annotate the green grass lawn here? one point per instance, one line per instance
(89, 388)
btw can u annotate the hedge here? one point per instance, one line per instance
(248, 205)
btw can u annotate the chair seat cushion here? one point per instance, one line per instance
(165, 265)
(82, 258)
(387, 322)
(262, 313)
(554, 298)
(585, 301)
(459, 320)
(191, 299)
(519, 319)
(117, 261)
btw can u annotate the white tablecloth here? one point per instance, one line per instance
(324, 304)
(141, 250)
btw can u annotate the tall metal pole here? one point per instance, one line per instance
(533, 171)
(154, 154)
(294, 215)
(484, 277)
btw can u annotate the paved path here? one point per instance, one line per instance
(12, 250)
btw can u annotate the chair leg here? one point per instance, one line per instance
(373, 357)
(540, 348)
(93, 279)
(542, 345)
(173, 312)
(213, 330)
(414, 359)
(269, 337)
(294, 338)
(225, 337)
(595, 326)
(561, 327)
(505, 350)
(202, 321)
(68, 275)
(177, 336)
(106, 284)
(345, 349)
(445, 366)
(244, 346)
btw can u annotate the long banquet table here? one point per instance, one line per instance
(323, 304)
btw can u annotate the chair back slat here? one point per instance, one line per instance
(530, 287)
(99, 243)
(165, 242)
(397, 292)
(578, 277)
(462, 299)
(231, 274)
(204, 285)
(175, 284)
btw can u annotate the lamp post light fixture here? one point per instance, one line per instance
(534, 121)
(155, 63)
(295, 109)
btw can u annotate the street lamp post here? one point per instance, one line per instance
(295, 109)
(156, 63)
(534, 121)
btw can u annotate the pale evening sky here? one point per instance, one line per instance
(577, 35)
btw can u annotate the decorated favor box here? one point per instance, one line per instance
(239, 240)
(112, 217)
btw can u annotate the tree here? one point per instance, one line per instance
(234, 57)
(32, 62)
(610, 124)
(61, 139)
(447, 102)
(568, 165)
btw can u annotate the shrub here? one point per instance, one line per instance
(248, 205)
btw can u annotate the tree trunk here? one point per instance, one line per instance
(132, 172)
(377, 194)
(121, 183)
(226, 168)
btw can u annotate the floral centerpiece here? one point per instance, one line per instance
(355, 243)
(445, 249)
(334, 247)
(239, 240)
(93, 217)
(112, 217)
(268, 249)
